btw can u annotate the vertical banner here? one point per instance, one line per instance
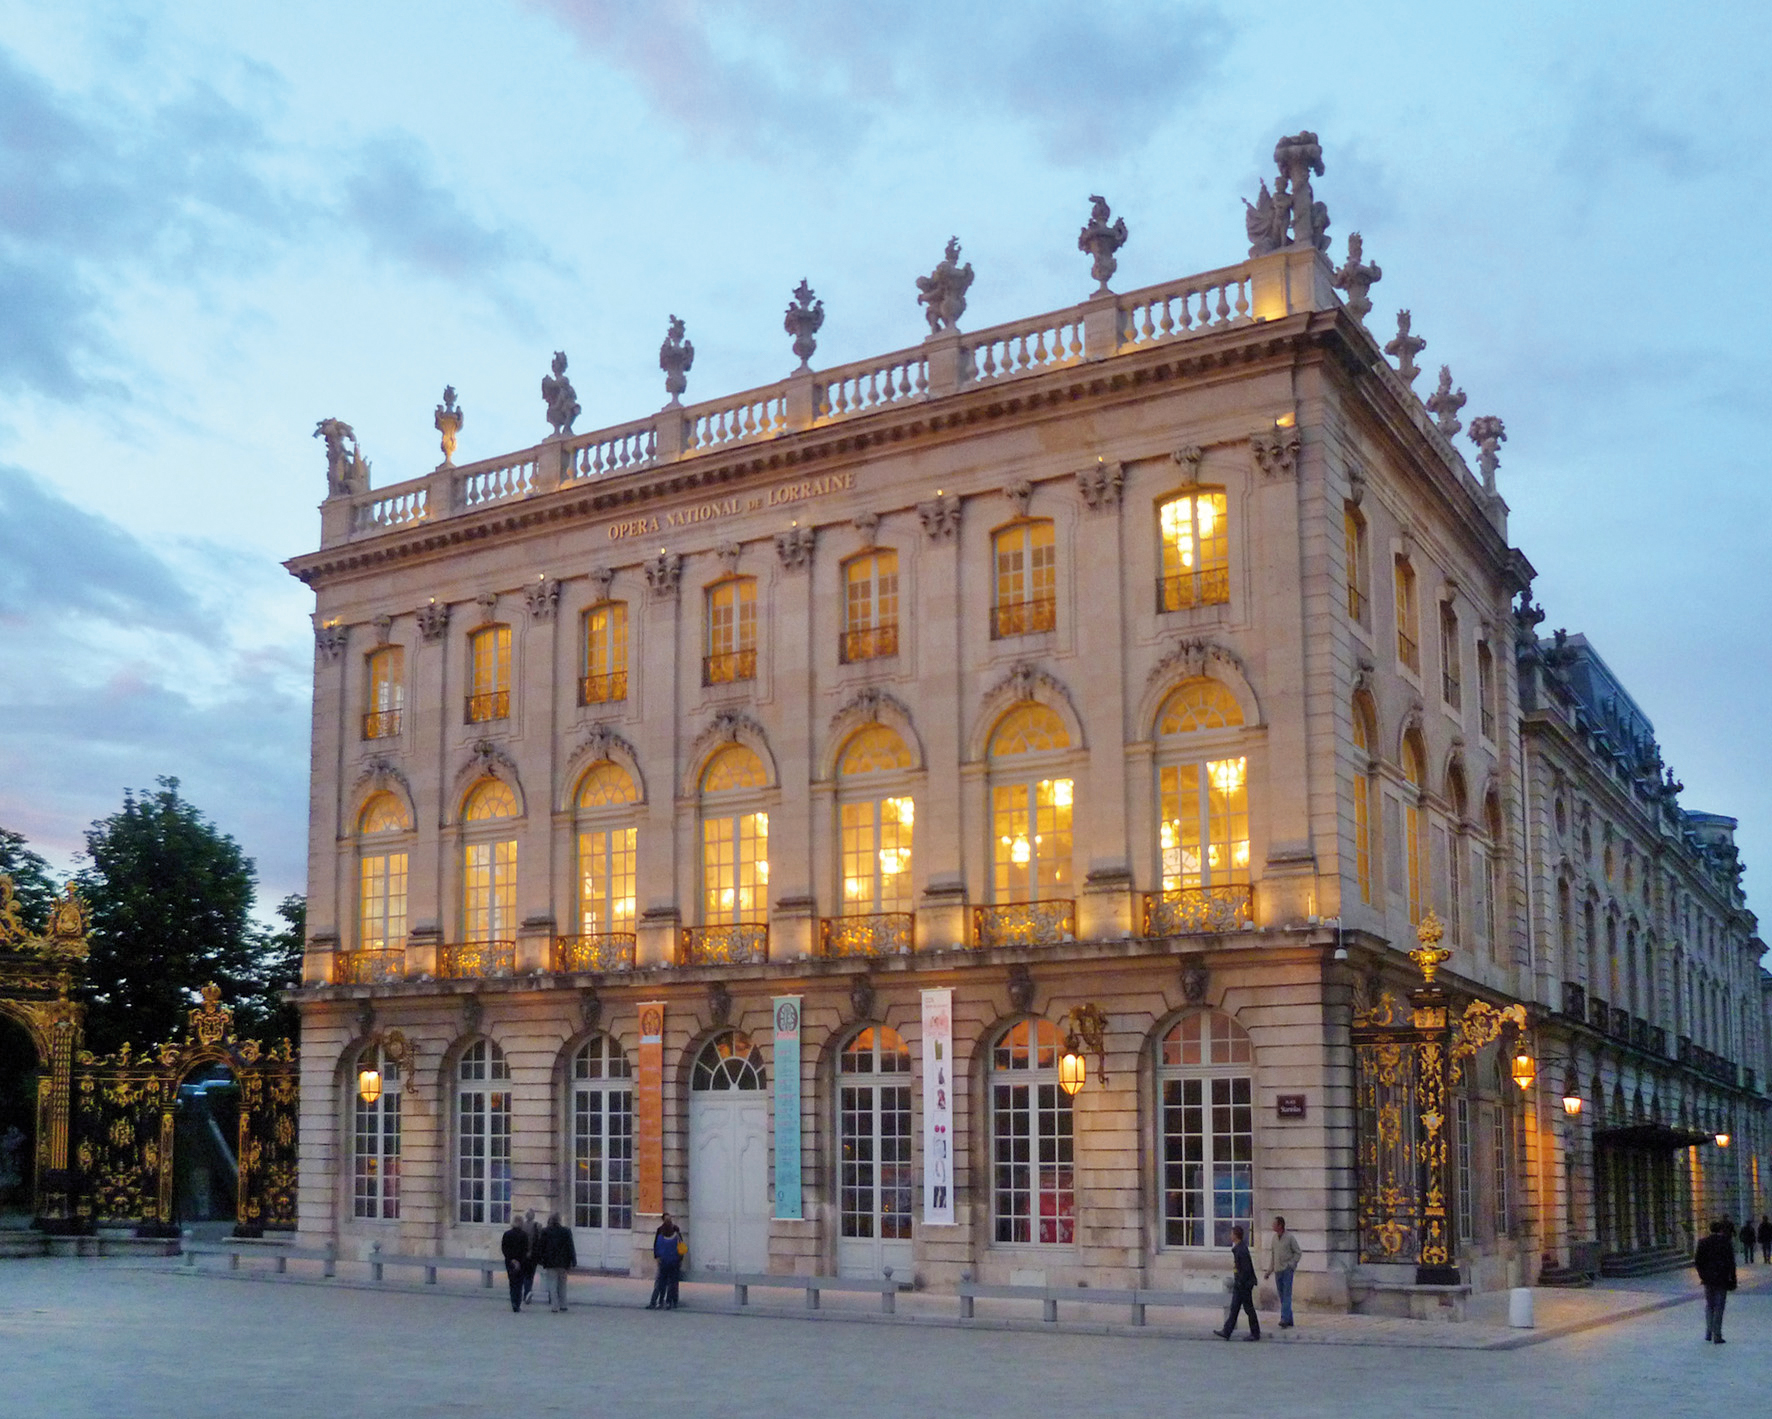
(938, 1108)
(649, 1110)
(787, 1108)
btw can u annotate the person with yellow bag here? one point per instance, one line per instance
(669, 1250)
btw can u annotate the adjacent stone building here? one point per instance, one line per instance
(762, 809)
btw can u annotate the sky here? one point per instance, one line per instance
(220, 223)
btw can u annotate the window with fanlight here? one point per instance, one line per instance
(876, 816)
(1033, 1193)
(381, 873)
(1202, 792)
(483, 1135)
(1195, 532)
(1205, 1075)
(734, 839)
(489, 862)
(607, 849)
(375, 1137)
(1031, 801)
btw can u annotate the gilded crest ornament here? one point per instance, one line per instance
(1430, 955)
(212, 1022)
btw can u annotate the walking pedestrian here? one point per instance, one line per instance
(1747, 1241)
(1283, 1256)
(1715, 1260)
(533, 1259)
(515, 1246)
(1242, 1289)
(558, 1256)
(1765, 1237)
(667, 1250)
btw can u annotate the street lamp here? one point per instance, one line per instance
(1572, 1102)
(1525, 1069)
(1722, 1140)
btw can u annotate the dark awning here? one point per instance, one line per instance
(1649, 1135)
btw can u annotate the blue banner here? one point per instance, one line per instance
(787, 1108)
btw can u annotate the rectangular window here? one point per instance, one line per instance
(603, 1157)
(870, 606)
(489, 674)
(1031, 829)
(376, 1153)
(1196, 551)
(735, 869)
(1502, 1165)
(1394, 876)
(605, 679)
(483, 1165)
(606, 860)
(1363, 835)
(1204, 832)
(1461, 1142)
(1451, 673)
(490, 891)
(1408, 627)
(876, 848)
(1486, 689)
(1033, 1185)
(732, 632)
(1027, 580)
(387, 693)
(381, 902)
(1413, 848)
(1358, 598)
(1208, 1160)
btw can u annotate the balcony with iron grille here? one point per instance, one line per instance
(476, 960)
(381, 724)
(1210, 586)
(603, 689)
(374, 967)
(881, 934)
(1199, 911)
(483, 709)
(870, 642)
(728, 666)
(1049, 923)
(600, 951)
(740, 944)
(1024, 618)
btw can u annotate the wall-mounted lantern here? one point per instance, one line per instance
(1084, 1027)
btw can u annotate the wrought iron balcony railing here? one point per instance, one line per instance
(603, 689)
(1199, 911)
(1488, 721)
(870, 642)
(596, 951)
(381, 724)
(727, 666)
(742, 944)
(494, 704)
(881, 934)
(1452, 691)
(476, 960)
(1356, 604)
(1025, 924)
(1023, 618)
(1408, 652)
(373, 967)
(1574, 1001)
(1210, 586)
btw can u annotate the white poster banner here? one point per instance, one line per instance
(938, 1108)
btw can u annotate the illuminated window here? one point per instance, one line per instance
(1205, 1072)
(729, 1061)
(1486, 691)
(483, 1136)
(489, 674)
(1408, 623)
(387, 693)
(874, 826)
(605, 678)
(1414, 846)
(1033, 1196)
(732, 631)
(1203, 805)
(1359, 602)
(870, 606)
(1451, 673)
(876, 1182)
(734, 841)
(1027, 579)
(1196, 550)
(602, 1137)
(1030, 812)
(1363, 738)
(375, 1150)
(381, 875)
(606, 851)
(489, 864)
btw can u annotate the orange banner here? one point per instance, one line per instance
(649, 1110)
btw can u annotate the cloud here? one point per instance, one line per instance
(1614, 126)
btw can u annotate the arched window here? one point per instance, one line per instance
(1202, 790)
(1414, 847)
(1451, 852)
(1195, 530)
(1205, 1069)
(602, 1137)
(731, 631)
(875, 818)
(605, 677)
(483, 1136)
(874, 1136)
(375, 1138)
(729, 1061)
(870, 605)
(1030, 807)
(1364, 738)
(1026, 588)
(1408, 617)
(734, 839)
(489, 674)
(1486, 873)
(606, 850)
(381, 874)
(1033, 1198)
(387, 693)
(489, 863)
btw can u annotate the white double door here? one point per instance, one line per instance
(876, 1188)
(728, 1181)
(602, 1178)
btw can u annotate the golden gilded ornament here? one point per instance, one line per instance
(1429, 954)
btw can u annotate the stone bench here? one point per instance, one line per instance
(1406, 1299)
(280, 1253)
(742, 1282)
(1049, 1297)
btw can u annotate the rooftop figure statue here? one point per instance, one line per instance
(346, 471)
(449, 419)
(562, 398)
(942, 293)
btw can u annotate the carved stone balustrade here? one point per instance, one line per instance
(476, 960)
(1025, 924)
(881, 934)
(601, 952)
(1199, 911)
(742, 944)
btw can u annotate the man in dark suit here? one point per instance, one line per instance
(1243, 1288)
(1715, 1260)
(515, 1245)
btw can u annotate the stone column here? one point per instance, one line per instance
(435, 705)
(535, 723)
(1104, 905)
(788, 648)
(939, 849)
(653, 676)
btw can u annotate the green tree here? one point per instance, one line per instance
(32, 886)
(171, 898)
(262, 1014)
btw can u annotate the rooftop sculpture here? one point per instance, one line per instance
(449, 419)
(1290, 215)
(561, 397)
(346, 472)
(1099, 240)
(1487, 432)
(942, 293)
(1405, 348)
(1444, 404)
(675, 357)
(1357, 277)
(804, 319)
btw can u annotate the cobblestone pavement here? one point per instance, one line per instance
(129, 1339)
